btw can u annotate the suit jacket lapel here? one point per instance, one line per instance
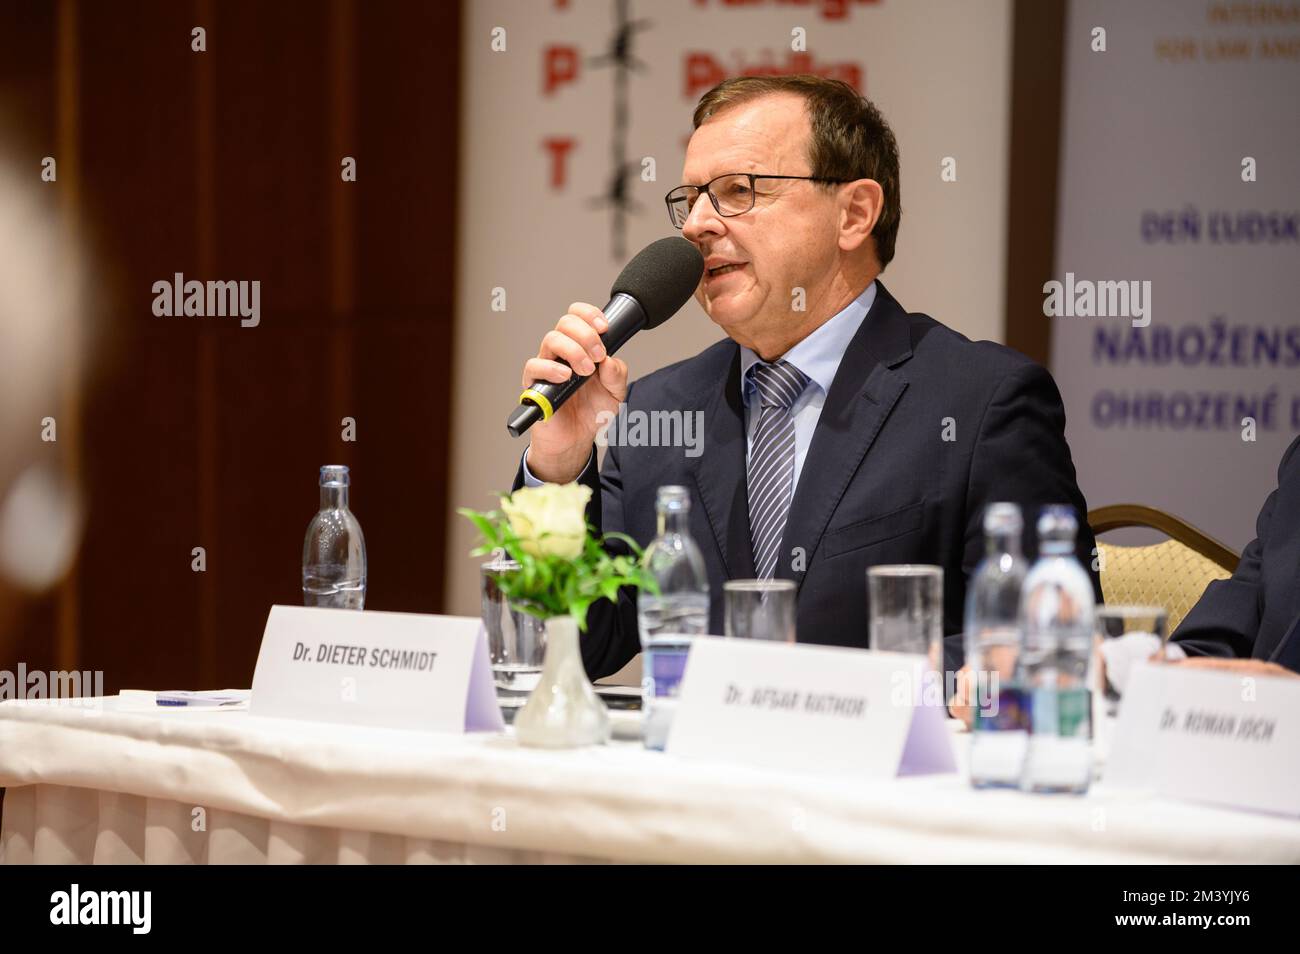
(864, 392)
(719, 473)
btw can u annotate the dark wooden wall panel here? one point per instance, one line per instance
(224, 165)
(273, 178)
(138, 597)
(1037, 67)
(407, 211)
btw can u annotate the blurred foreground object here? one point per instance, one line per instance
(40, 344)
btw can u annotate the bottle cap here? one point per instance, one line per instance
(1002, 519)
(673, 497)
(1057, 524)
(334, 475)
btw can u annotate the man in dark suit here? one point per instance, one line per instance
(839, 431)
(1251, 621)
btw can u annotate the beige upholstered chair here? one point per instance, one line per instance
(1172, 573)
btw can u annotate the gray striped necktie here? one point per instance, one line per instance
(771, 460)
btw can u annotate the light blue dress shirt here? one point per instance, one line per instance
(818, 356)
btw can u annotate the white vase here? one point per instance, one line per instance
(564, 711)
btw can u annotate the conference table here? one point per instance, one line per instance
(121, 781)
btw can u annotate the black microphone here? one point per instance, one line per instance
(650, 290)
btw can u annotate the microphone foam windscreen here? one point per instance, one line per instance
(661, 277)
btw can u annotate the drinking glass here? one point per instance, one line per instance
(760, 609)
(1126, 636)
(905, 610)
(516, 641)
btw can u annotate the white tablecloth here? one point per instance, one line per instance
(205, 786)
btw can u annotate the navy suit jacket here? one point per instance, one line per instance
(887, 478)
(1256, 613)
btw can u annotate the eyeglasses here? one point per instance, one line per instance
(731, 194)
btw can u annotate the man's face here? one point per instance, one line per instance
(788, 240)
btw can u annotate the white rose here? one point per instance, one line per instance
(550, 520)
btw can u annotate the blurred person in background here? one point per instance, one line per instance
(1250, 622)
(40, 344)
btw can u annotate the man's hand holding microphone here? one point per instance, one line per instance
(561, 445)
(575, 376)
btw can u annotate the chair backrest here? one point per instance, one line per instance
(1173, 573)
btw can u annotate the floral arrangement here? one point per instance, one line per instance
(563, 565)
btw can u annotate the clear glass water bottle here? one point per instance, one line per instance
(670, 620)
(1057, 618)
(334, 553)
(1000, 732)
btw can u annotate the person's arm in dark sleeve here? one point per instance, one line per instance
(1225, 620)
(612, 637)
(1021, 456)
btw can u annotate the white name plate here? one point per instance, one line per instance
(811, 709)
(1211, 737)
(393, 670)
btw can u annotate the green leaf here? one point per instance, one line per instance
(579, 612)
(552, 586)
(632, 544)
(485, 526)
